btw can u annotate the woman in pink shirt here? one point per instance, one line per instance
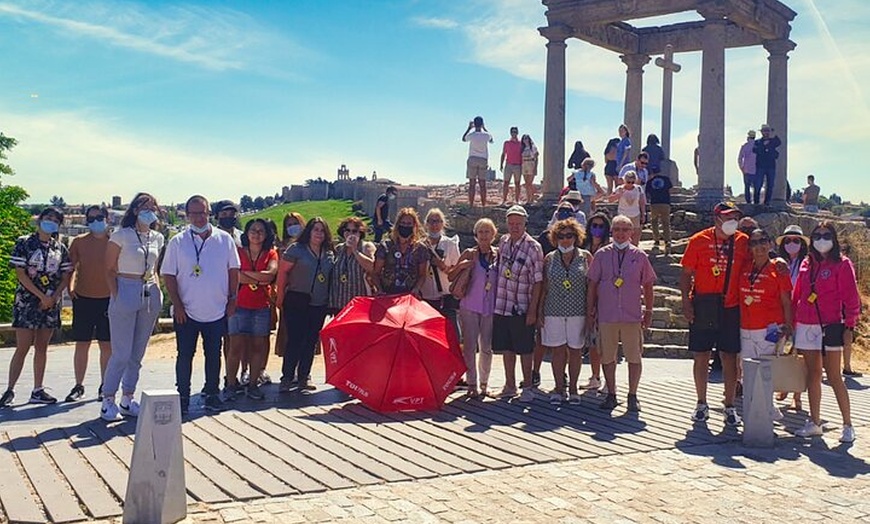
(825, 296)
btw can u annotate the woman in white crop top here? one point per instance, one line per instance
(131, 262)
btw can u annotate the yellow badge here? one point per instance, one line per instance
(508, 273)
(253, 287)
(748, 300)
(566, 284)
(321, 277)
(197, 270)
(716, 271)
(488, 286)
(618, 282)
(343, 279)
(44, 280)
(812, 298)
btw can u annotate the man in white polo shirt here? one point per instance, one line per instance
(201, 273)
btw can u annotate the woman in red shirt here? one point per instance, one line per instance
(249, 326)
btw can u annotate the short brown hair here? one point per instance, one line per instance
(571, 225)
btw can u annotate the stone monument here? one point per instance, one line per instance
(726, 24)
(669, 67)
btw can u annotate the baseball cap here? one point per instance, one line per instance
(751, 133)
(725, 208)
(227, 204)
(516, 210)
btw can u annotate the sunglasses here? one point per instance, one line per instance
(823, 236)
(565, 236)
(759, 242)
(597, 226)
(792, 241)
(99, 218)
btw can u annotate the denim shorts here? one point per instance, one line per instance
(253, 322)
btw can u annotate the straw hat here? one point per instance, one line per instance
(793, 230)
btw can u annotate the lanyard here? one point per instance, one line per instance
(794, 268)
(146, 247)
(753, 274)
(198, 250)
(254, 263)
(620, 257)
(567, 267)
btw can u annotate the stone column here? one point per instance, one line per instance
(669, 67)
(554, 111)
(711, 176)
(633, 116)
(777, 111)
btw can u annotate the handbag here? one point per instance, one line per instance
(459, 284)
(710, 307)
(788, 373)
(832, 334)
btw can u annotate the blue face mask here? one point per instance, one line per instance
(147, 217)
(294, 230)
(97, 226)
(48, 226)
(199, 230)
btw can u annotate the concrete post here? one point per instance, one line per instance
(777, 111)
(711, 175)
(669, 67)
(554, 111)
(757, 403)
(633, 114)
(156, 489)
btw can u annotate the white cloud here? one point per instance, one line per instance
(215, 39)
(435, 22)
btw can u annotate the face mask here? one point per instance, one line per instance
(823, 246)
(792, 249)
(199, 230)
(97, 226)
(147, 217)
(564, 215)
(622, 245)
(48, 226)
(434, 235)
(294, 231)
(392, 197)
(227, 222)
(729, 227)
(405, 231)
(565, 249)
(597, 231)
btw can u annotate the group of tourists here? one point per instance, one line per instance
(582, 285)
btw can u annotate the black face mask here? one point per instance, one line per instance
(405, 231)
(227, 222)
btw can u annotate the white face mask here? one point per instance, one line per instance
(565, 249)
(792, 249)
(729, 227)
(622, 245)
(823, 246)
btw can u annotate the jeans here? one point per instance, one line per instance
(380, 230)
(749, 181)
(132, 315)
(661, 213)
(303, 326)
(186, 336)
(768, 174)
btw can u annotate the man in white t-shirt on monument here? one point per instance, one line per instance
(478, 158)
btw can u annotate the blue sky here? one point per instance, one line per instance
(228, 98)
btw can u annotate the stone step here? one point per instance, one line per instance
(672, 302)
(666, 318)
(668, 336)
(666, 351)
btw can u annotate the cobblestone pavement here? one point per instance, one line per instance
(818, 481)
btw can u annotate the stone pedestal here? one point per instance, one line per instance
(711, 175)
(554, 111)
(156, 486)
(633, 115)
(777, 111)
(757, 403)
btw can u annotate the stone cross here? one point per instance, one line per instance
(669, 67)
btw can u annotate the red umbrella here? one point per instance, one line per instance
(393, 353)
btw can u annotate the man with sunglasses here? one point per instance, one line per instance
(89, 291)
(639, 166)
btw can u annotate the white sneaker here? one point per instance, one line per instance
(109, 410)
(848, 435)
(128, 407)
(731, 417)
(527, 395)
(811, 429)
(593, 383)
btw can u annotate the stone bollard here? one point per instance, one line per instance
(757, 398)
(156, 492)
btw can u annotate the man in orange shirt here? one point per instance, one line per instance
(712, 264)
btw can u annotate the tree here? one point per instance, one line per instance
(269, 201)
(259, 203)
(58, 202)
(246, 203)
(14, 222)
(836, 199)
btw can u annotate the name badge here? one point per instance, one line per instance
(716, 271)
(321, 277)
(566, 284)
(44, 280)
(812, 298)
(343, 279)
(488, 286)
(197, 270)
(253, 287)
(748, 300)
(618, 282)
(508, 273)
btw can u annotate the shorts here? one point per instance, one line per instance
(529, 168)
(808, 337)
(512, 335)
(27, 313)
(609, 336)
(90, 319)
(635, 221)
(754, 345)
(251, 322)
(610, 168)
(725, 339)
(475, 168)
(512, 172)
(562, 331)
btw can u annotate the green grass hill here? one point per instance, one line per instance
(332, 211)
